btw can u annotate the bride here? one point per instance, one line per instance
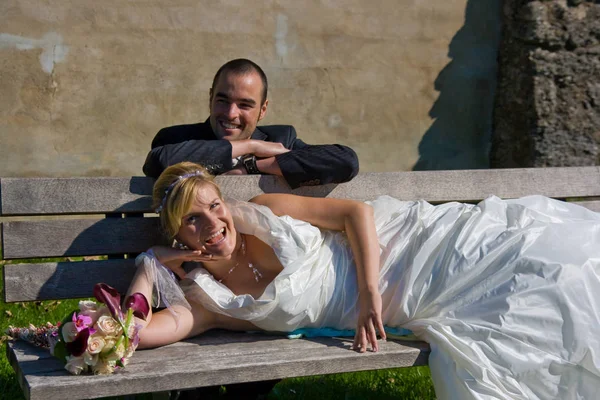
(505, 292)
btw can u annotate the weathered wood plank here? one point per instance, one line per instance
(32, 359)
(216, 358)
(33, 196)
(438, 186)
(473, 185)
(79, 237)
(590, 205)
(85, 237)
(64, 280)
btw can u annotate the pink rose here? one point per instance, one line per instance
(108, 326)
(95, 344)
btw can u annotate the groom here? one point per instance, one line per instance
(229, 142)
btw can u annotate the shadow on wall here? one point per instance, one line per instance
(460, 136)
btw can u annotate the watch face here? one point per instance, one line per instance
(250, 164)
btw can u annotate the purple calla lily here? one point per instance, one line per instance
(111, 297)
(138, 303)
(80, 344)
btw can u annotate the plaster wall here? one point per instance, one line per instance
(85, 86)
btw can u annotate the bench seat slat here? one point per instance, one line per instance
(35, 196)
(64, 280)
(79, 237)
(215, 358)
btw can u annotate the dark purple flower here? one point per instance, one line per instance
(111, 297)
(138, 303)
(79, 345)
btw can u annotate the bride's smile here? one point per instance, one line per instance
(207, 226)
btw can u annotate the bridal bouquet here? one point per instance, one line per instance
(98, 337)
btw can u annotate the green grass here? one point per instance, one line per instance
(399, 383)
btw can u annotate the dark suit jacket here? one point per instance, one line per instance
(304, 165)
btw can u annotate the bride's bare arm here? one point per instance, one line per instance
(356, 218)
(164, 327)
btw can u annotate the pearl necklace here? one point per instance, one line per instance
(255, 271)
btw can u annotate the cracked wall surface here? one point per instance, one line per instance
(86, 85)
(547, 111)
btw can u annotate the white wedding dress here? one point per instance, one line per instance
(507, 293)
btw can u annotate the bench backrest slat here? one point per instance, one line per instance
(41, 196)
(471, 185)
(64, 280)
(79, 237)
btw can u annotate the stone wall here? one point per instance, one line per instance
(547, 110)
(86, 85)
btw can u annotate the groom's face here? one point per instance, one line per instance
(235, 105)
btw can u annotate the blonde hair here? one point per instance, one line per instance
(175, 190)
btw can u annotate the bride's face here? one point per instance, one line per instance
(208, 225)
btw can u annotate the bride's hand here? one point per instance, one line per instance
(369, 322)
(173, 258)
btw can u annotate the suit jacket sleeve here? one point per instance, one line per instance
(309, 165)
(171, 146)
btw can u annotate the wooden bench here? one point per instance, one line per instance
(112, 217)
